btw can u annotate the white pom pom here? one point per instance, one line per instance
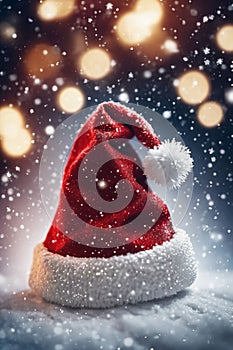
(168, 164)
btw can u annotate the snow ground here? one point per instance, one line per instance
(198, 318)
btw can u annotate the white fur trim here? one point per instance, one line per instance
(100, 283)
(168, 164)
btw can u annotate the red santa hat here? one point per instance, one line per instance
(95, 258)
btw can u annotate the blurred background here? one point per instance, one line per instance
(59, 56)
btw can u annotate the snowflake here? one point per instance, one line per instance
(207, 62)
(109, 89)
(219, 61)
(231, 66)
(206, 50)
(211, 150)
(109, 6)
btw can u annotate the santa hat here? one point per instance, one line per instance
(102, 258)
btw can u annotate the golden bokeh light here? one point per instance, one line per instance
(95, 64)
(50, 10)
(193, 87)
(7, 31)
(224, 38)
(11, 120)
(137, 26)
(43, 61)
(18, 145)
(210, 114)
(70, 99)
(133, 28)
(151, 9)
(170, 46)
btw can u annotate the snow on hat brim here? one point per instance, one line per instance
(101, 283)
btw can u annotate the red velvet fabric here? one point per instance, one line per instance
(110, 125)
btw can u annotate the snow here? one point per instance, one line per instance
(149, 77)
(198, 318)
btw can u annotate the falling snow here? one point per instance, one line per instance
(145, 74)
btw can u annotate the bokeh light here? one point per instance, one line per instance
(95, 64)
(151, 9)
(133, 28)
(70, 99)
(7, 31)
(50, 10)
(43, 61)
(19, 144)
(137, 26)
(224, 38)
(193, 87)
(210, 114)
(229, 95)
(170, 46)
(11, 120)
